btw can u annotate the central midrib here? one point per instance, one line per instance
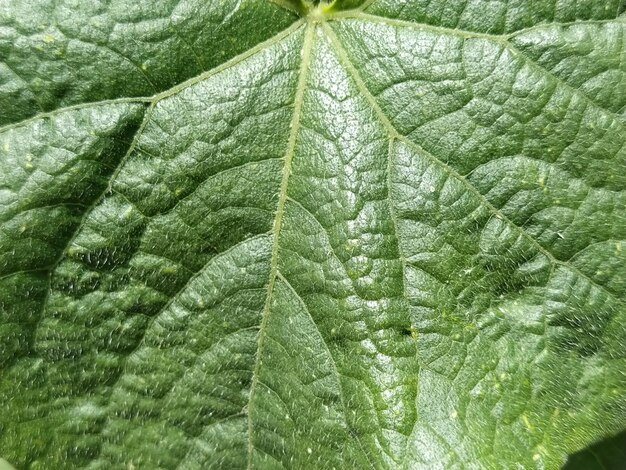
(305, 63)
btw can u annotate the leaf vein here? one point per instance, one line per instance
(503, 40)
(395, 134)
(291, 147)
(154, 99)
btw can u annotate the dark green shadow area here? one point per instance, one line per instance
(609, 454)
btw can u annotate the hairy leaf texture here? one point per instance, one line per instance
(360, 234)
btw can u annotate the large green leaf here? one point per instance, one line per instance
(369, 234)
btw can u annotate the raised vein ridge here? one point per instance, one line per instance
(278, 221)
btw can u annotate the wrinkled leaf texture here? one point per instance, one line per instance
(271, 234)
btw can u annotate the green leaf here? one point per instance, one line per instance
(297, 234)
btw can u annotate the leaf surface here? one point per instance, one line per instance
(367, 234)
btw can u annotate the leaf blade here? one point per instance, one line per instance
(366, 242)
